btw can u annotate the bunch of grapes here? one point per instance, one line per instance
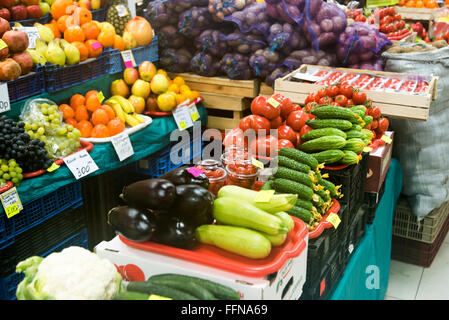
(10, 171)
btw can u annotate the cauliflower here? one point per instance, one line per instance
(72, 274)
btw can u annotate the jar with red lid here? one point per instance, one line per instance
(217, 176)
(242, 174)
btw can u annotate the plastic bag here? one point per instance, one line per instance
(204, 64)
(222, 8)
(290, 11)
(236, 66)
(253, 19)
(161, 13)
(264, 61)
(169, 37)
(209, 41)
(242, 43)
(175, 60)
(194, 21)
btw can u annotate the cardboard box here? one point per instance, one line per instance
(378, 164)
(285, 284)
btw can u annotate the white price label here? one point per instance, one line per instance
(128, 59)
(122, 11)
(182, 116)
(11, 202)
(32, 34)
(4, 98)
(122, 145)
(81, 164)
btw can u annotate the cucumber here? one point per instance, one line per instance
(301, 213)
(355, 144)
(328, 185)
(359, 108)
(318, 133)
(241, 241)
(160, 290)
(368, 134)
(350, 157)
(323, 143)
(289, 186)
(292, 164)
(218, 290)
(360, 113)
(287, 220)
(300, 177)
(130, 295)
(276, 240)
(334, 112)
(304, 204)
(186, 286)
(266, 186)
(317, 200)
(330, 123)
(352, 134)
(328, 156)
(357, 127)
(368, 120)
(238, 213)
(299, 156)
(324, 194)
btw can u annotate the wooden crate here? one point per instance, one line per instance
(419, 14)
(220, 85)
(265, 90)
(392, 104)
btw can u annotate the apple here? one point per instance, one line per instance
(34, 11)
(130, 75)
(147, 70)
(5, 14)
(45, 7)
(7, 3)
(152, 103)
(19, 13)
(141, 88)
(85, 4)
(4, 26)
(138, 103)
(119, 87)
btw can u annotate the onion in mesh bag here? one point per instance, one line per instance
(175, 60)
(161, 13)
(236, 66)
(210, 41)
(195, 20)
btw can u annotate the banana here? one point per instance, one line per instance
(131, 120)
(115, 105)
(139, 117)
(126, 105)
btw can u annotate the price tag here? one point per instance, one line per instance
(122, 145)
(2, 44)
(81, 164)
(4, 98)
(194, 114)
(122, 11)
(334, 219)
(367, 149)
(194, 171)
(100, 96)
(273, 102)
(182, 117)
(156, 297)
(11, 202)
(264, 196)
(96, 45)
(257, 163)
(32, 34)
(53, 167)
(386, 139)
(128, 59)
(350, 248)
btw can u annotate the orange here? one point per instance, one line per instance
(91, 30)
(67, 111)
(74, 33)
(173, 88)
(179, 81)
(54, 28)
(106, 38)
(92, 103)
(84, 52)
(100, 131)
(94, 47)
(85, 127)
(115, 126)
(81, 113)
(77, 100)
(109, 111)
(82, 15)
(62, 23)
(419, 4)
(72, 122)
(91, 92)
(59, 7)
(99, 116)
(119, 43)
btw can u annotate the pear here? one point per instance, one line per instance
(18, 25)
(71, 52)
(45, 33)
(41, 46)
(37, 57)
(130, 41)
(54, 53)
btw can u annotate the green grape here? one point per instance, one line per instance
(34, 126)
(18, 170)
(62, 131)
(13, 174)
(41, 131)
(15, 180)
(30, 132)
(69, 127)
(55, 121)
(51, 117)
(6, 176)
(5, 168)
(27, 126)
(71, 135)
(77, 133)
(20, 176)
(1, 173)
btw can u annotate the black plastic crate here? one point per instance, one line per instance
(352, 180)
(318, 252)
(41, 238)
(372, 200)
(354, 233)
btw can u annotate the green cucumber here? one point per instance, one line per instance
(287, 220)
(160, 290)
(324, 194)
(304, 204)
(266, 186)
(350, 157)
(317, 200)
(334, 112)
(355, 144)
(218, 290)
(357, 127)
(289, 186)
(292, 164)
(359, 108)
(299, 156)
(238, 213)
(323, 143)
(131, 295)
(328, 185)
(301, 213)
(238, 240)
(328, 156)
(318, 133)
(297, 176)
(186, 286)
(330, 123)
(367, 133)
(352, 134)
(368, 120)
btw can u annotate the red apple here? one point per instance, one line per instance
(19, 13)
(5, 14)
(7, 3)
(4, 26)
(34, 12)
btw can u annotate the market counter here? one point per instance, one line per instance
(367, 272)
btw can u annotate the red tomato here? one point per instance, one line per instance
(341, 100)
(325, 100)
(286, 133)
(332, 91)
(235, 137)
(264, 146)
(350, 103)
(336, 104)
(313, 97)
(276, 122)
(256, 123)
(383, 125)
(286, 104)
(360, 18)
(296, 107)
(284, 143)
(259, 106)
(347, 91)
(321, 92)
(375, 113)
(305, 129)
(311, 116)
(297, 119)
(374, 124)
(310, 106)
(359, 97)
(298, 140)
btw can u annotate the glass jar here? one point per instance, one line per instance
(242, 175)
(217, 176)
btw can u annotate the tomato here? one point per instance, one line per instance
(264, 146)
(321, 92)
(310, 106)
(350, 103)
(286, 104)
(369, 103)
(276, 122)
(311, 116)
(297, 107)
(305, 129)
(360, 18)
(383, 125)
(325, 100)
(359, 97)
(286, 132)
(341, 100)
(332, 91)
(374, 124)
(256, 123)
(283, 143)
(298, 140)
(347, 91)
(297, 119)
(313, 97)
(259, 106)
(375, 113)
(336, 104)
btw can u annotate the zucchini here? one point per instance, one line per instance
(323, 143)
(304, 204)
(352, 134)
(297, 176)
(350, 157)
(131, 295)
(186, 286)
(355, 144)
(318, 133)
(241, 241)
(334, 112)
(238, 213)
(289, 186)
(328, 156)
(301, 213)
(276, 240)
(160, 290)
(292, 164)
(218, 290)
(287, 220)
(299, 156)
(330, 123)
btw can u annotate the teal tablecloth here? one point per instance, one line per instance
(367, 273)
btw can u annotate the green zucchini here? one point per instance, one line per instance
(218, 290)
(186, 286)
(301, 213)
(318, 133)
(328, 156)
(238, 240)
(355, 144)
(289, 186)
(350, 157)
(330, 123)
(299, 156)
(131, 295)
(238, 213)
(351, 134)
(334, 112)
(297, 176)
(287, 220)
(275, 240)
(160, 290)
(323, 143)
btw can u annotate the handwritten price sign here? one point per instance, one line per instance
(81, 164)
(122, 145)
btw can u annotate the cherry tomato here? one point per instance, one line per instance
(375, 113)
(310, 106)
(359, 97)
(341, 100)
(332, 91)
(297, 119)
(325, 100)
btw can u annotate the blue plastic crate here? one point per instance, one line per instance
(39, 210)
(99, 14)
(59, 78)
(8, 285)
(141, 54)
(27, 85)
(30, 22)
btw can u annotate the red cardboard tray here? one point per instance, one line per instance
(324, 224)
(7, 186)
(221, 259)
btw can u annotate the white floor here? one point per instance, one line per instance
(410, 282)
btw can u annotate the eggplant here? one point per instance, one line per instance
(182, 175)
(131, 223)
(153, 194)
(174, 231)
